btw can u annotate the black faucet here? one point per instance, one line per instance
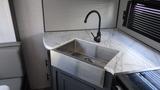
(98, 37)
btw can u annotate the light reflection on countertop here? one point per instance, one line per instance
(134, 55)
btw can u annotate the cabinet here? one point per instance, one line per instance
(65, 81)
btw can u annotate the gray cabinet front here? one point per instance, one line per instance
(67, 83)
(64, 81)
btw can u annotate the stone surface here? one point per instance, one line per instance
(133, 56)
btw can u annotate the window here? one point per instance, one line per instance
(143, 17)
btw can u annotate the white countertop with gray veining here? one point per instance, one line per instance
(134, 56)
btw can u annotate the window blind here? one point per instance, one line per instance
(143, 17)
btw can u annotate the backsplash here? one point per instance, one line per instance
(70, 14)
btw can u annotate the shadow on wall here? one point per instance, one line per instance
(35, 56)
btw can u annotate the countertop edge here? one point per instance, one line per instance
(10, 44)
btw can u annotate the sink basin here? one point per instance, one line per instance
(87, 52)
(83, 59)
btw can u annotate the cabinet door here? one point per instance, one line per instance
(68, 83)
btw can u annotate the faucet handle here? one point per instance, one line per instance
(92, 34)
(97, 38)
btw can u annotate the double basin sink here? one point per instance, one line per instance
(83, 59)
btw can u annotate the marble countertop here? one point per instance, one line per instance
(134, 55)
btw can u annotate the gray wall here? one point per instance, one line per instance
(7, 33)
(70, 14)
(144, 39)
(30, 24)
(10, 62)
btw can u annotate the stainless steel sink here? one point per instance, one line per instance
(83, 59)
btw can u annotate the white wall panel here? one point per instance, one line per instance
(7, 33)
(10, 62)
(70, 14)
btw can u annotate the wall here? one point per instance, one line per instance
(30, 24)
(10, 62)
(7, 33)
(70, 14)
(140, 37)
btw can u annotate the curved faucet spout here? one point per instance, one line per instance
(98, 37)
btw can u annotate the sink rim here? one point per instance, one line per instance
(98, 44)
(92, 60)
(73, 39)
